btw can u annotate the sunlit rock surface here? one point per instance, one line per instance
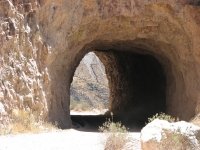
(161, 135)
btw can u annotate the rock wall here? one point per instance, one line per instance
(23, 72)
(43, 41)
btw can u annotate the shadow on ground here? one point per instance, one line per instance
(91, 123)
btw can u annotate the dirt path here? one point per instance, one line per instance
(60, 140)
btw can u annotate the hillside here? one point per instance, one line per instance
(89, 89)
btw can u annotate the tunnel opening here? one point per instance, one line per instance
(137, 86)
(89, 92)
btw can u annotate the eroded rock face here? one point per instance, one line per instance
(161, 135)
(42, 43)
(23, 73)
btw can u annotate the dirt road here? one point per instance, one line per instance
(60, 140)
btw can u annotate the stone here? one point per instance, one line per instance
(196, 120)
(161, 135)
(15, 113)
(28, 101)
(1, 95)
(2, 109)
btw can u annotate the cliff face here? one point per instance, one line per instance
(23, 73)
(43, 41)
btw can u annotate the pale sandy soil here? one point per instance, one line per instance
(93, 112)
(60, 140)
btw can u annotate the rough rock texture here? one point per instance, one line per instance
(90, 84)
(23, 73)
(43, 41)
(196, 120)
(161, 135)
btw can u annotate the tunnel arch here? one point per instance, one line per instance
(110, 53)
(162, 29)
(176, 96)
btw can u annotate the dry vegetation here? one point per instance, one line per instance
(174, 141)
(117, 135)
(86, 106)
(196, 120)
(23, 121)
(163, 116)
(80, 106)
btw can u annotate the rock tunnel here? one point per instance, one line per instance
(137, 83)
(151, 57)
(141, 82)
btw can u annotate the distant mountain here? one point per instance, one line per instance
(89, 89)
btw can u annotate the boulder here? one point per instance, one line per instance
(162, 135)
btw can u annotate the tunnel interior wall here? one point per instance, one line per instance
(137, 83)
